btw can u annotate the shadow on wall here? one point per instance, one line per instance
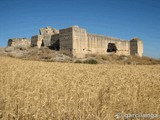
(55, 46)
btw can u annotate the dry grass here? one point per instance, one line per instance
(122, 59)
(34, 90)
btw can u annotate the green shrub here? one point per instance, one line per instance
(90, 61)
(78, 61)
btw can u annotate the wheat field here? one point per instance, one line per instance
(34, 90)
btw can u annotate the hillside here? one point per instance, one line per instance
(48, 55)
(36, 90)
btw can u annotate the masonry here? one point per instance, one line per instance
(19, 42)
(77, 42)
(44, 39)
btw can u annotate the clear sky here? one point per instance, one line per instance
(123, 19)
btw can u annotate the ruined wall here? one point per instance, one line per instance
(47, 34)
(98, 44)
(48, 31)
(77, 42)
(19, 42)
(140, 48)
(80, 42)
(47, 40)
(86, 43)
(37, 41)
(136, 47)
(123, 47)
(44, 37)
(66, 40)
(55, 43)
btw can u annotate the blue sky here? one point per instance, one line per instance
(124, 19)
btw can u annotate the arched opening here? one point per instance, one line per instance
(112, 47)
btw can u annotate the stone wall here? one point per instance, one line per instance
(48, 31)
(44, 38)
(66, 40)
(55, 42)
(136, 46)
(98, 44)
(123, 47)
(77, 42)
(140, 48)
(80, 42)
(47, 40)
(47, 34)
(19, 42)
(37, 41)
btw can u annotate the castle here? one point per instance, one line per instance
(78, 42)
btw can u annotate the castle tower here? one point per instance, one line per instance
(136, 47)
(73, 40)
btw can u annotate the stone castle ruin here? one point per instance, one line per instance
(19, 42)
(78, 42)
(44, 39)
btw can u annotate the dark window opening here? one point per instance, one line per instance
(112, 47)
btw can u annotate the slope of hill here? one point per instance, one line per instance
(48, 55)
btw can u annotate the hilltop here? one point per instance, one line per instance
(48, 55)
